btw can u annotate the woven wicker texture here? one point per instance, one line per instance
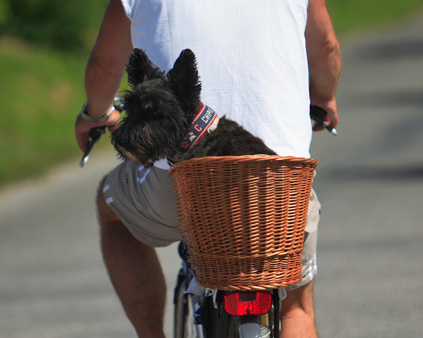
(243, 218)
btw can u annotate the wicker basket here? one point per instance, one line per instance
(243, 218)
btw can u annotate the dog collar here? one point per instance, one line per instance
(205, 121)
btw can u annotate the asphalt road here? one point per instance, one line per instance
(370, 182)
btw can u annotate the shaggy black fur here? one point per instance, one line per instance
(161, 109)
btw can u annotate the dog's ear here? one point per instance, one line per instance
(184, 79)
(140, 68)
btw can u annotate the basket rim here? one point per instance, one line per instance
(244, 158)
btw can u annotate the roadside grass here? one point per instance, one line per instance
(40, 95)
(42, 91)
(362, 15)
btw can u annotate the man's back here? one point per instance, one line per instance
(251, 57)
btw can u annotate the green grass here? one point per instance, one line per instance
(42, 91)
(41, 94)
(352, 15)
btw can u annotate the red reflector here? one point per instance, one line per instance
(248, 303)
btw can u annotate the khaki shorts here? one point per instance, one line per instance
(143, 200)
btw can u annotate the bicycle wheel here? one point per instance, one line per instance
(216, 322)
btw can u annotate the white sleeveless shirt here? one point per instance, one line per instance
(251, 59)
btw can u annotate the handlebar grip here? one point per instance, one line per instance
(318, 115)
(95, 133)
(318, 112)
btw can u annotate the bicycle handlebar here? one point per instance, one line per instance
(317, 114)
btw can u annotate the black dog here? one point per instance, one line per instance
(166, 118)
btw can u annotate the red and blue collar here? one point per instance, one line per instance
(205, 119)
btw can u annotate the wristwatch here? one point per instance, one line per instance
(87, 117)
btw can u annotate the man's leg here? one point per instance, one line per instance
(297, 313)
(135, 273)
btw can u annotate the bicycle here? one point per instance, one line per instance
(246, 310)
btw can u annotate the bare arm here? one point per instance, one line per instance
(324, 58)
(105, 68)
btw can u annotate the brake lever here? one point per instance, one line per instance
(95, 134)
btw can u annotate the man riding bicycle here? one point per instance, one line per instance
(262, 64)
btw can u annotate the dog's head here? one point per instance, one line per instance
(159, 109)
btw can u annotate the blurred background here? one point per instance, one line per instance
(370, 178)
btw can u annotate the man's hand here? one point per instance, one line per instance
(82, 128)
(332, 118)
